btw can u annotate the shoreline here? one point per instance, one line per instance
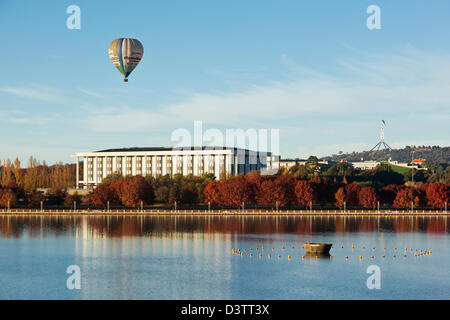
(265, 213)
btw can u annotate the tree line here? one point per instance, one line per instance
(300, 186)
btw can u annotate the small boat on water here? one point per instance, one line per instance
(317, 248)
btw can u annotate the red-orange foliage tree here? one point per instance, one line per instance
(134, 190)
(367, 197)
(340, 197)
(278, 190)
(437, 194)
(405, 196)
(351, 194)
(211, 193)
(304, 192)
(102, 194)
(7, 197)
(235, 191)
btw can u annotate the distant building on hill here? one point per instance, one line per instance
(418, 161)
(364, 165)
(290, 163)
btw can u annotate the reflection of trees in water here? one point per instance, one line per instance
(120, 226)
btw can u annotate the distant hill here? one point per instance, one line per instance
(430, 153)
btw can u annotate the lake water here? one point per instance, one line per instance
(190, 257)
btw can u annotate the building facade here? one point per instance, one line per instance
(219, 161)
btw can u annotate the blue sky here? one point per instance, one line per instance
(311, 69)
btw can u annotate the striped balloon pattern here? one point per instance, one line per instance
(125, 54)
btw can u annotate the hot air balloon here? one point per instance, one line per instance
(125, 54)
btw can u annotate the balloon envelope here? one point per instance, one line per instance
(125, 54)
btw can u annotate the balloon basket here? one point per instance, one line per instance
(125, 80)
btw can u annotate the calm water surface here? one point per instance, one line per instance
(187, 257)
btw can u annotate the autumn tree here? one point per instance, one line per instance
(162, 194)
(6, 173)
(34, 199)
(71, 199)
(234, 191)
(406, 196)
(340, 197)
(174, 195)
(7, 197)
(304, 192)
(211, 193)
(102, 194)
(437, 194)
(135, 190)
(279, 190)
(367, 197)
(351, 194)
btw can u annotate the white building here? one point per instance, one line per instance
(365, 165)
(218, 161)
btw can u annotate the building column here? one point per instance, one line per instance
(94, 171)
(85, 172)
(78, 172)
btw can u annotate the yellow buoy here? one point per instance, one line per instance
(289, 257)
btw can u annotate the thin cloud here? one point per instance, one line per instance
(91, 93)
(35, 92)
(21, 117)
